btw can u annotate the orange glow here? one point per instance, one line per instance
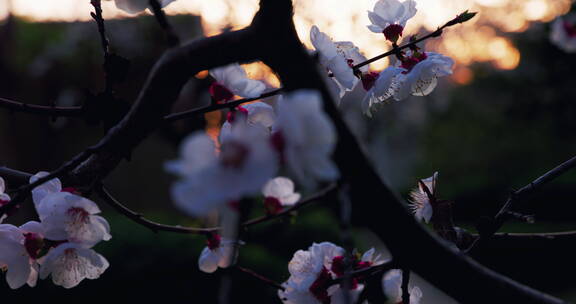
(213, 123)
(480, 40)
(462, 75)
(201, 74)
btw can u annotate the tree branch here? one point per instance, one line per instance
(173, 39)
(501, 216)
(413, 246)
(38, 109)
(140, 219)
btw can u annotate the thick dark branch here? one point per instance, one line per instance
(502, 215)
(140, 219)
(413, 246)
(37, 109)
(159, 93)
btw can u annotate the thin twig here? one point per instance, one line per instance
(140, 219)
(260, 277)
(173, 39)
(368, 272)
(501, 216)
(23, 191)
(97, 16)
(215, 107)
(286, 212)
(38, 109)
(155, 227)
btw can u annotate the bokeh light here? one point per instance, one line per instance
(481, 40)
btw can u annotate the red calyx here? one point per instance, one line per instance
(393, 32)
(231, 116)
(219, 92)
(272, 205)
(409, 62)
(213, 241)
(70, 190)
(33, 244)
(320, 287)
(369, 79)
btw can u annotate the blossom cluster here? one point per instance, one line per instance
(415, 71)
(313, 273)
(60, 244)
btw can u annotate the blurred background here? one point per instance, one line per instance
(505, 117)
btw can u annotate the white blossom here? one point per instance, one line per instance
(246, 161)
(390, 17)
(282, 189)
(421, 78)
(233, 78)
(67, 216)
(392, 286)
(19, 249)
(382, 90)
(563, 33)
(306, 136)
(338, 58)
(220, 252)
(137, 6)
(258, 115)
(70, 263)
(420, 201)
(310, 273)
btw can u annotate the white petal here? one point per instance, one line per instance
(2, 185)
(278, 187)
(375, 28)
(208, 261)
(391, 285)
(69, 264)
(33, 227)
(40, 192)
(197, 151)
(377, 22)
(14, 256)
(260, 113)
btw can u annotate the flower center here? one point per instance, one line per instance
(78, 216)
(231, 116)
(219, 92)
(409, 62)
(570, 29)
(233, 154)
(33, 244)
